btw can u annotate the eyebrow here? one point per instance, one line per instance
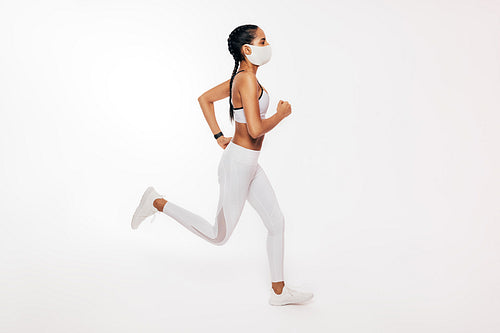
(262, 38)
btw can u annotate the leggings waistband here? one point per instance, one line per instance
(241, 153)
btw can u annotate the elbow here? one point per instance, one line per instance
(254, 133)
(202, 99)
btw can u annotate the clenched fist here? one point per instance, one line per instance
(284, 109)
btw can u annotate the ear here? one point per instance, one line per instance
(247, 50)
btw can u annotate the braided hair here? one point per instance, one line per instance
(244, 34)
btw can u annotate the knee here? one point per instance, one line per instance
(221, 241)
(278, 224)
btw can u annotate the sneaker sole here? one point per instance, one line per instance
(139, 211)
(295, 302)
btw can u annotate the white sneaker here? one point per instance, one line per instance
(145, 208)
(289, 296)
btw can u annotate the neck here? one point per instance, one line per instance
(248, 67)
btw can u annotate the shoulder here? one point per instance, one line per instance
(245, 80)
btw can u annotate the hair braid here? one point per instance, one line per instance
(244, 34)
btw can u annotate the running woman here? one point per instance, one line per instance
(240, 176)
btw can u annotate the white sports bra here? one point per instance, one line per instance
(239, 114)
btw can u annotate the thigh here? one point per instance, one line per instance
(234, 181)
(262, 198)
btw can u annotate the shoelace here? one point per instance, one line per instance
(154, 216)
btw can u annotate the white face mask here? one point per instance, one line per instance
(260, 54)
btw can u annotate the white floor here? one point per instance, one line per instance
(162, 278)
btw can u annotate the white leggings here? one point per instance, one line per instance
(241, 178)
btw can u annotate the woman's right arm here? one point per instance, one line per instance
(257, 127)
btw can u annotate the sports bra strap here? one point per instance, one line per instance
(257, 82)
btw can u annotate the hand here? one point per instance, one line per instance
(284, 109)
(223, 141)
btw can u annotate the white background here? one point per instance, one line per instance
(387, 170)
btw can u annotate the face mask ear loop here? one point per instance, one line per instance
(251, 50)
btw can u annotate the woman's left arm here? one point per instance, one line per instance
(217, 93)
(207, 100)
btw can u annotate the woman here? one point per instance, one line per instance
(240, 176)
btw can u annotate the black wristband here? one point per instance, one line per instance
(217, 135)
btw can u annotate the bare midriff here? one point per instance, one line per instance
(242, 138)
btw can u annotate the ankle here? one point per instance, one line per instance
(278, 286)
(159, 203)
